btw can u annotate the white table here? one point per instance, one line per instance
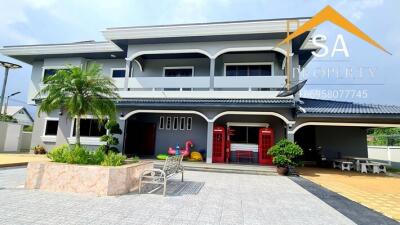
(358, 161)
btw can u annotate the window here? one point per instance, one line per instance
(245, 135)
(51, 128)
(240, 70)
(182, 123)
(175, 123)
(178, 71)
(50, 72)
(91, 128)
(117, 73)
(168, 125)
(189, 123)
(161, 123)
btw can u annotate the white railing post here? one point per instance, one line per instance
(389, 155)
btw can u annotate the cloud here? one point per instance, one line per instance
(14, 14)
(357, 8)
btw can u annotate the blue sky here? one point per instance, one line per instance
(52, 21)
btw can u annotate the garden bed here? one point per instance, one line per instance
(88, 179)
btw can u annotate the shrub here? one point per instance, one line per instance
(7, 118)
(58, 154)
(111, 141)
(83, 156)
(38, 149)
(284, 152)
(27, 128)
(113, 159)
(97, 157)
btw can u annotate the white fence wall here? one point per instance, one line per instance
(12, 138)
(391, 154)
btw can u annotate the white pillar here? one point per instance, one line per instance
(210, 126)
(212, 73)
(127, 74)
(290, 136)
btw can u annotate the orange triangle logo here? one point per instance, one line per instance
(330, 14)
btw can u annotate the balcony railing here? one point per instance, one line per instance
(156, 83)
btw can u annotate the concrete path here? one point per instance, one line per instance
(204, 198)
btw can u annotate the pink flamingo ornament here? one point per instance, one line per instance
(185, 152)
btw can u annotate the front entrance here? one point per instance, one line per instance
(140, 138)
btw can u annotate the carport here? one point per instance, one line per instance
(338, 129)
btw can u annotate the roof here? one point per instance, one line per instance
(211, 23)
(89, 49)
(206, 102)
(203, 29)
(12, 110)
(319, 106)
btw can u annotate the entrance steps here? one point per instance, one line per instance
(224, 168)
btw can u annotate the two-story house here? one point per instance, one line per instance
(215, 84)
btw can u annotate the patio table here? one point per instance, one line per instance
(357, 161)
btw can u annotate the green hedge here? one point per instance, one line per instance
(83, 156)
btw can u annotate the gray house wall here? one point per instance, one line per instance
(170, 138)
(342, 141)
(38, 130)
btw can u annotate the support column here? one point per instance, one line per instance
(3, 91)
(127, 74)
(290, 136)
(210, 126)
(212, 73)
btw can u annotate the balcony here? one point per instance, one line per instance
(225, 87)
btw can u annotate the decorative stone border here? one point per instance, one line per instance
(88, 179)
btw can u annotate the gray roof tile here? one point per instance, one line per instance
(319, 106)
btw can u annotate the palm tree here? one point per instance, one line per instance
(79, 92)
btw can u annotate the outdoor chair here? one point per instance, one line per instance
(172, 167)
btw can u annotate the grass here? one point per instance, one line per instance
(393, 170)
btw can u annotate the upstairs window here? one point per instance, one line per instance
(117, 73)
(241, 70)
(50, 72)
(178, 71)
(91, 128)
(51, 128)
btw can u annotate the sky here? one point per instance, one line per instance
(55, 21)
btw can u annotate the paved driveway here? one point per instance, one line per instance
(205, 198)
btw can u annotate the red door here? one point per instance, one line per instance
(218, 155)
(265, 141)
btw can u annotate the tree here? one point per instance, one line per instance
(111, 141)
(79, 92)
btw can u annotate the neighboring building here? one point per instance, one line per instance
(195, 82)
(20, 114)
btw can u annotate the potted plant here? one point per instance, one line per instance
(283, 153)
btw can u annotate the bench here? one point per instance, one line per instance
(172, 167)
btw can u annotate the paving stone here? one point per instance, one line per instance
(203, 199)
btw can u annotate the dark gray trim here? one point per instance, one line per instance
(352, 210)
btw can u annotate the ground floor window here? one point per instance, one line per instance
(246, 135)
(51, 128)
(91, 128)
